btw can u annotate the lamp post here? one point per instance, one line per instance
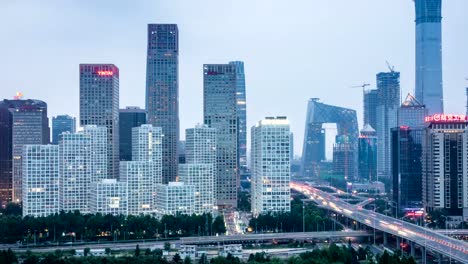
(303, 216)
(446, 233)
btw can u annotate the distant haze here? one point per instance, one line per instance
(293, 50)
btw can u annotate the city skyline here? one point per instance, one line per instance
(395, 43)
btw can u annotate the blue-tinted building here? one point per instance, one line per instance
(429, 88)
(388, 88)
(220, 112)
(162, 91)
(407, 146)
(241, 114)
(60, 124)
(367, 154)
(129, 118)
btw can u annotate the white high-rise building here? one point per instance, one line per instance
(40, 180)
(175, 197)
(202, 178)
(109, 197)
(98, 152)
(271, 166)
(200, 145)
(75, 174)
(200, 167)
(141, 178)
(144, 171)
(146, 143)
(83, 160)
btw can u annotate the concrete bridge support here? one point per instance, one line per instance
(439, 258)
(413, 252)
(423, 255)
(385, 239)
(398, 242)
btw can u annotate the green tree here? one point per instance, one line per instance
(137, 251)
(203, 259)
(177, 258)
(187, 260)
(219, 226)
(108, 251)
(31, 260)
(8, 256)
(167, 246)
(86, 251)
(147, 252)
(12, 209)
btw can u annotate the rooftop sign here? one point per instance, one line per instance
(445, 118)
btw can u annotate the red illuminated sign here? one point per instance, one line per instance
(105, 73)
(443, 118)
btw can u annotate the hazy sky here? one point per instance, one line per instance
(293, 50)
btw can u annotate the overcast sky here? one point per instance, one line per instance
(293, 50)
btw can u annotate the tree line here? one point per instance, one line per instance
(332, 254)
(314, 219)
(74, 226)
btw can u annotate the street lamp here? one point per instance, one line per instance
(446, 233)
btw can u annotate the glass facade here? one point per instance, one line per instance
(241, 114)
(129, 118)
(367, 154)
(371, 100)
(99, 105)
(162, 91)
(388, 86)
(23, 122)
(429, 87)
(60, 124)
(407, 145)
(220, 112)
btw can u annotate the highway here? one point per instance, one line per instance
(200, 240)
(271, 236)
(455, 249)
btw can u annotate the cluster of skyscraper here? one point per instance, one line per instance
(126, 161)
(395, 142)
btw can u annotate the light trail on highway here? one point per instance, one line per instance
(455, 249)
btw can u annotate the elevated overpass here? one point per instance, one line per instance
(426, 238)
(273, 236)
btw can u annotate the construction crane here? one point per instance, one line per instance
(390, 67)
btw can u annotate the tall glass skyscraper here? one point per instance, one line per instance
(220, 112)
(129, 118)
(388, 86)
(60, 124)
(429, 89)
(99, 105)
(162, 91)
(371, 99)
(241, 114)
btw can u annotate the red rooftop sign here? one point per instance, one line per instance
(443, 118)
(105, 73)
